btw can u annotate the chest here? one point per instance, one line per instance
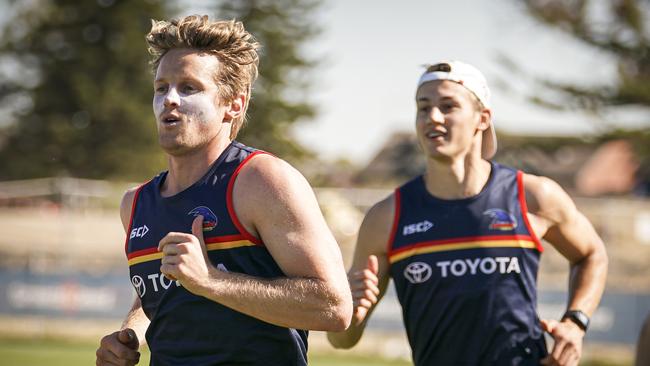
(422, 221)
(154, 217)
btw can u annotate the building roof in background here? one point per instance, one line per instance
(580, 166)
(611, 169)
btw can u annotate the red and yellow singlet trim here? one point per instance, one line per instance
(509, 241)
(215, 243)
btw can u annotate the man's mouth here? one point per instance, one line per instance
(171, 119)
(435, 134)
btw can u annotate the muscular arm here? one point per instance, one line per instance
(568, 230)
(368, 284)
(275, 203)
(555, 218)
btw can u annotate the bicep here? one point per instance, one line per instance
(280, 205)
(302, 243)
(574, 237)
(569, 231)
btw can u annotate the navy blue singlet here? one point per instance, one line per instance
(465, 272)
(187, 329)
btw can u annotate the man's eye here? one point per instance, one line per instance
(189, 89)
(161, 89)
(447, 106)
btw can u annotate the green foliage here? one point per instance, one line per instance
(80, 68)
(282, 27)
(75, 85)
(619, 28)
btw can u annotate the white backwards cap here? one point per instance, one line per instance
(472, 79)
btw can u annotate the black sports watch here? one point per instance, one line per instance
(581, 319)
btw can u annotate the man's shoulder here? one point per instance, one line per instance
(266, 180)
(265, 169)
(131, 193)
(540, 186)
(126, 206)
(382, 213)
(546, 197)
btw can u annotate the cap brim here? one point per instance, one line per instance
(489, 144)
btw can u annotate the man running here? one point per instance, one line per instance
(462, 243)
(228, 251)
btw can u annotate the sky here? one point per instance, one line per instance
(373, 52)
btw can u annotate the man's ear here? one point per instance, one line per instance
(485, 119)
(235, 108)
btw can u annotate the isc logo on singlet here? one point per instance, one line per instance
(139, 232)
(419, 227)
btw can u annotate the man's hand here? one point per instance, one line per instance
(119, 348)
(567, 349)
(364, 287)
(185, 257)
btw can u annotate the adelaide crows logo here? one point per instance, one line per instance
(501, 220)
(209, 218)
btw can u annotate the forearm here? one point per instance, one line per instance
(347, 338)
(587, 282)
(367, 286)
(301, 303)
(138, 321)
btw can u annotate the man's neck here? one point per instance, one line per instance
(457, 178)
(185, 170)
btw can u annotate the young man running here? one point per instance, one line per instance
(462, 243)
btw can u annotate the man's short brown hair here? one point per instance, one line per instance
(235, 48)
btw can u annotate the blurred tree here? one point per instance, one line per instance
(617, 27)
(620, 28)
(283, 27)
(75, 90)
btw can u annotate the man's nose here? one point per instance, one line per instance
(436, 116)
(172, 99)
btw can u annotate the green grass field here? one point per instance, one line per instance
(58, 353)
